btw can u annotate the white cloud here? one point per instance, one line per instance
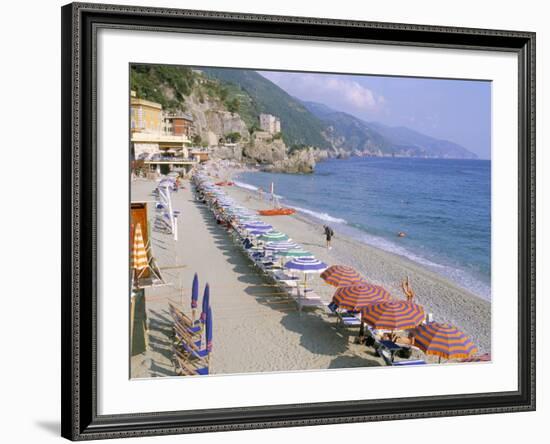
(339, 92)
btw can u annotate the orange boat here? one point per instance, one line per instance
(277, 212)
(224, 184)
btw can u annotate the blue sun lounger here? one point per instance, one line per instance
(184, 321)
(346, 318)
(187, 368)
(409, 362)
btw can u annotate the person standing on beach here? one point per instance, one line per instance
(407, 289)
(329, 233)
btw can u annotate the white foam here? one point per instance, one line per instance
(322, 216)
(246, 186)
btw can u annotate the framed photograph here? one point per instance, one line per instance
(278, 221)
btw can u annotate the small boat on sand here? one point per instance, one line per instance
(277, 212)
(225, 184)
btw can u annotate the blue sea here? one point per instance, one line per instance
(443, 206)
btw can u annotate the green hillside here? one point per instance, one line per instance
(258, 95)
(164, 84)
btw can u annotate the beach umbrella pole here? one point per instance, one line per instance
(362, 328)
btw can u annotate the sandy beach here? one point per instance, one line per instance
(257, 328)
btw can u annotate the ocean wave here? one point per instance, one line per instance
(246, 186)
(322, 216)
(459, 276)
(250, 187)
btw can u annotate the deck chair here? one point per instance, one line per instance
(184, 367)
(185, 321)
(345, 318)
(189, 344)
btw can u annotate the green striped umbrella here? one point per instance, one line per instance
(273, 236)
(294, 253)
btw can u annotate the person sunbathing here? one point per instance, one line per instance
(405, 340)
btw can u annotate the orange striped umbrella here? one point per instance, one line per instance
(443, 340)
(358, 296)
(393, 315)
(139, 253)
(341, 276)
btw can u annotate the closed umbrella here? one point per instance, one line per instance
(195, 295)
(139, 260)
(393, 315)
(341, 276)
(208, 330)
(205, 303)
(443, 340)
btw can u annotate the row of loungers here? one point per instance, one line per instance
(289, 284)
(189, 358)
(306, 297)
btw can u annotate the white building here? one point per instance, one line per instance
(270, 123)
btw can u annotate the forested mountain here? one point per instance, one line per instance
(246, 94)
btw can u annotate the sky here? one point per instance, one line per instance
(455, 110)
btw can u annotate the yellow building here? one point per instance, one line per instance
(155, 143)
(145, 116)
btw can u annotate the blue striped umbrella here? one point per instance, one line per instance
(280, 246)
(205, 302)
(306, 265)
(257, 225)
(258, 231)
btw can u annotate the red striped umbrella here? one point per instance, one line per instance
(358, 296)
(443, 340)
(393, 315)
(485, 357)
(341, 276)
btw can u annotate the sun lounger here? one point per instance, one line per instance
(190, 346)
(184, 367)
(345, 318)
(185, 321)
(388, 349)
(305, 297)
(409, 362)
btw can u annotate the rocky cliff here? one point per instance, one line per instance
(299, 161)
(212, 121)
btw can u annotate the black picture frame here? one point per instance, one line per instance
(80, 22)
